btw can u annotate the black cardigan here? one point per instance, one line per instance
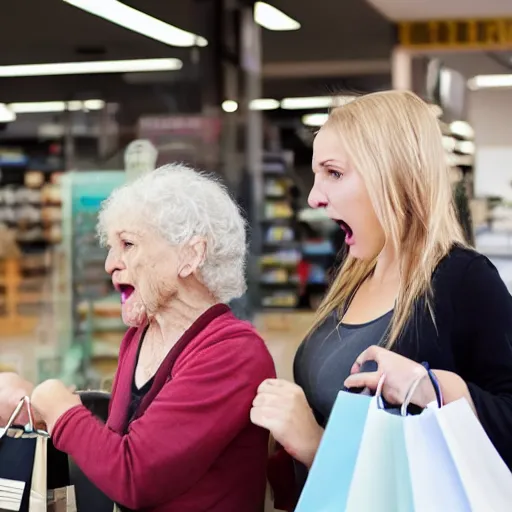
(472, 337)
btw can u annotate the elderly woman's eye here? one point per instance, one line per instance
(127, 244)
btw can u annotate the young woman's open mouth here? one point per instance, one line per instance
(349, 234)
(125, 290)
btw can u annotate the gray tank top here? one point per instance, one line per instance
(325, 358)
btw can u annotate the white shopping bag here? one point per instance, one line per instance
(435, 481)
(485, 477)
(381, 477)
(39, 489)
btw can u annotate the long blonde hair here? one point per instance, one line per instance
(394, 140)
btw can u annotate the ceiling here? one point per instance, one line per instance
(408, 10)
(340, 44)
(469, 63)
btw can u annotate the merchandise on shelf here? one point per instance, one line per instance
(279, 280)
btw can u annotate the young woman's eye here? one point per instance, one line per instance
(335, 174)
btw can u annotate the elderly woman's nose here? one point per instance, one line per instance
(113, 262)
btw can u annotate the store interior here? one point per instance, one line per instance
(240, 94)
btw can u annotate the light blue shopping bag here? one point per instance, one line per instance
(381, 478)
(328, 483)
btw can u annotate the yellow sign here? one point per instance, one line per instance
(457, 34)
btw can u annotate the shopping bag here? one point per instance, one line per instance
(39, 486)
(23, 465)
(485, 478)
(435, 480)
(380, 481)
(328, 483)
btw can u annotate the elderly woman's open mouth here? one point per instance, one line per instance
(125, 290)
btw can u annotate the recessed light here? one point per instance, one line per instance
(229, 106)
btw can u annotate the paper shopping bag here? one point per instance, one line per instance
(17, 453)
(435, 480)
(328, 483)
(485, 477)
(22, 466)
(39, 487)
(381, 475)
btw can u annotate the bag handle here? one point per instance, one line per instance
(408, 397)
(25, 401)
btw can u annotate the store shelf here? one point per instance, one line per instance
(279, 282)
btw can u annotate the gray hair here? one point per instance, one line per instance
(181, 203)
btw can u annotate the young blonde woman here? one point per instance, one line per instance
(410, 291)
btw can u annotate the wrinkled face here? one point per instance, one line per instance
(340, 189)
(145, 270)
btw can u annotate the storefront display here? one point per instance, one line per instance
(91, 329)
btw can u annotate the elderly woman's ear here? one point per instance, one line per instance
(193, 255)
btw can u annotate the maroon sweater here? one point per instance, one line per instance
(191, 447)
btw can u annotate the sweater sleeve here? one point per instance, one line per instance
(487, 313)
(174, 443)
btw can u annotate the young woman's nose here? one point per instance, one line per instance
(317, 199)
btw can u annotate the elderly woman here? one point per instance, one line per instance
(178, 436)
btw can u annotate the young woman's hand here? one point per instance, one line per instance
(281, 407)
(400, 372)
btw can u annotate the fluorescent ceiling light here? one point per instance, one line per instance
(466, 146)
(462, 129)
(307, 103)
(229, 106)
(258, 104)
(94, 104)
(55, 106)
(315, 102)
(264, 104)
(449, 143)
(273, 19)
(137, 21)
(315, 120)
(6, 114)
(489, 81)
(85, 68)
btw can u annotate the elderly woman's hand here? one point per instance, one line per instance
(400, 372)
(12, 389)
(51, 400)
(281, 407)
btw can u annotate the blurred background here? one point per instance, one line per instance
(94, 93)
